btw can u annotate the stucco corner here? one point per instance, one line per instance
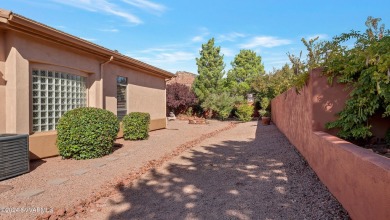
(5, 15)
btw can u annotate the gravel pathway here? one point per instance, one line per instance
(248, 172)
(55, 184)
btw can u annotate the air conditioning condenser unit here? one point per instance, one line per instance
(14, 155)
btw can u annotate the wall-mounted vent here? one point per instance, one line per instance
(14, 155)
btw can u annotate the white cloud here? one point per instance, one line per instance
(175, 56)
(168, 48)
(179, 56)
(230, 36)
(198, 38)
(130, 17)
(89, 39)
(265, 41)
(276, 61)
(60, 26)
(113, 30)
(146, 5)
(320, 36)
(102, 6)
(204, 32)
(227, 52)
(171, 61)
(155, 49)
(163, 56)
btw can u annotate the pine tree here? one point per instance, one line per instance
(246, 66)
(210, 70)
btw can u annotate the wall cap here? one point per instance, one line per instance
(363, 153)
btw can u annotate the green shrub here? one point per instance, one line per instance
(136, 126)
(86, 133)
(264, 113)
(189, 112)
(387, 137)
(265, 103)
(222, 103)
(244, 112)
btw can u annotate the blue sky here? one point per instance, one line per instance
(169, 34)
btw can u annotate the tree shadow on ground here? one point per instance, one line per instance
(260, 178)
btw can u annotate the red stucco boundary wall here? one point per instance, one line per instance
(357, 177)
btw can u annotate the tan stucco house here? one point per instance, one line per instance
(45, 72)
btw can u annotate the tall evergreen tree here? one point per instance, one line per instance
(246, 66)
(210, 70)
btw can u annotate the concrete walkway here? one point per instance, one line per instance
(248, 172)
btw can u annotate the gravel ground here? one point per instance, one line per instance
(54, 183)
(248, 172)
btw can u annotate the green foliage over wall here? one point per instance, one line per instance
(302, 68)
(85, 133)
(365, 68)
(136, 126)
(274, 83)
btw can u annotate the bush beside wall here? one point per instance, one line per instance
(86, 133)
(136, 126)
(244, 113)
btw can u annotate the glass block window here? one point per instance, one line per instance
(121, 86)
(54, 93)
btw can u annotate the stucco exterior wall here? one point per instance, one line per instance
(20, 53)
(2, 109)
(327, 101)
(357, 177)
(43, 51)
(2, 83)
(145, 93)
(17, 102)
(57, 57)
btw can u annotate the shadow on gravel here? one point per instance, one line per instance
(262, 178)
(34, 164)
(116, 147)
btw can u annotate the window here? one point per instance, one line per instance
(121, 85)
(53, 94)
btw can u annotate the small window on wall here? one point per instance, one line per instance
(121, 86)
(53, 94)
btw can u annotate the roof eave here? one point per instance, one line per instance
(19, 23)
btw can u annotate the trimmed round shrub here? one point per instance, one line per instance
(136, 126)
(244, 113)
(86, 133)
